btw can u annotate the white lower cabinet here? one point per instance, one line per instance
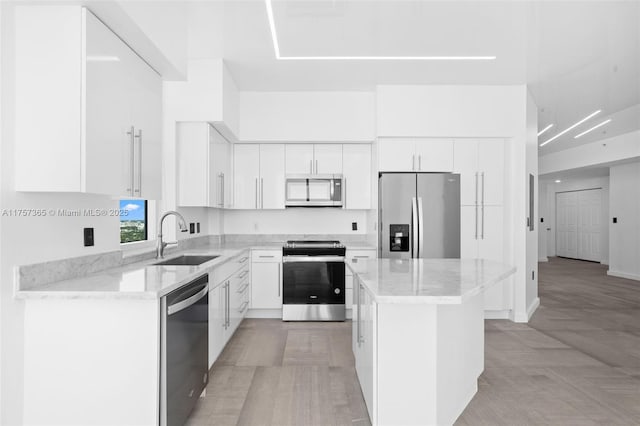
(354, 255)
(364, 326)
(482, 237)
(229, 290)
(266, 281)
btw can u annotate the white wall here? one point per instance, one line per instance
(307, 116)
(449, 111)
(295, 221)
(547, 239)
(622, 147)
(624, 236)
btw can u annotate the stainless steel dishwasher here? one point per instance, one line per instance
(184, 350)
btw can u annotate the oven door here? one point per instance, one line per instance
(313, 280)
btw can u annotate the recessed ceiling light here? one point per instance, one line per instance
(558, 181)
(571, 127)
(593, 128)
(545, 129)
(276, 48)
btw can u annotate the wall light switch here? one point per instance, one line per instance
(198, 227)
(88, 237)
(192, 228)
(354, 226)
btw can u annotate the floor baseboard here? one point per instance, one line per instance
(623, 275)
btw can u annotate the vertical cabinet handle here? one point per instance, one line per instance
(420, 162)
(221, 189)
(316, 166)
(261, 193)
(413, 162)
(360, 306)
(131, 134)
(357, 290)
(482, 230)
(476, 206)
(279, 266)
(256, 200)
(139, 136)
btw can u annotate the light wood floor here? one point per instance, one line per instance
(576, 363)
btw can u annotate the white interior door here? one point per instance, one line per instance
(589, 224)
(567, 224)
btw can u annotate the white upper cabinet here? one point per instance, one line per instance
(299, 159)
(415, 155)
(97, 108)
(356, 160)
(272, 176)
(480, 163)
(204, 157)
(259, 176)
(397, 155)
(327, 159)
(246, 176)
(313, 158)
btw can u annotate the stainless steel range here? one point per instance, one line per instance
(313, 281)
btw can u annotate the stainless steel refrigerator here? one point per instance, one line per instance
(419, 215)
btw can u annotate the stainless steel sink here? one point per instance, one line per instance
(186, 260)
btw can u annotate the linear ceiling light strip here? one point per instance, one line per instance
(545, 129)
(571, 127)
(593, 128)
(276, 48)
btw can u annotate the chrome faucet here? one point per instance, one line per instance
(182, 224)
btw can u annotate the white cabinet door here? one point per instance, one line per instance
(466, 164)
(194, 154)
(266, 285)
(108, 165)
(219, 166)
(434, 155)
(491, 169)
(147, 119)
(327, 159)
(356, 162)
(272, 165)
(246, 175)
(216, 322)
(469, 233)
(397, 155)
(299, 159)
(490, 241)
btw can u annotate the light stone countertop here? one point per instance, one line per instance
(427, 281)
(144, 280)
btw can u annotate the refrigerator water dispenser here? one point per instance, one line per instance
(398, 237)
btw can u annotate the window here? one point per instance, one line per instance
(133, 220)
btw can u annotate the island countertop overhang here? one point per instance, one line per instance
(427, 281)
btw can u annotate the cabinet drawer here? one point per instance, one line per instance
(361, 254)
(228, 268)
(266, 255)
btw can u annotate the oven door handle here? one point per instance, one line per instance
(291, 259)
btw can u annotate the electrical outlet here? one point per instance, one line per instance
(615, 220)
(88, 237)
(542, 220)
(533, 275)
(192, 228)
(354, 226)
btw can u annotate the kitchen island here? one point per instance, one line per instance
(418, 335)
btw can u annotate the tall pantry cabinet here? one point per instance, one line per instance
(91, 122)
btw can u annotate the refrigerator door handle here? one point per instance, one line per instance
(420, 228)
(414, 224)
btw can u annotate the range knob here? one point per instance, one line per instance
(336, 291)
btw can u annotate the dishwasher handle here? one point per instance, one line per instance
(182, 304)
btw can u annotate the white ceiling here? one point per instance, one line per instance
(576, 56)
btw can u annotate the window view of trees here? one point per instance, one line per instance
(133, 220)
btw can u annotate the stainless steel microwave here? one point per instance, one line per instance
(314, 191)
